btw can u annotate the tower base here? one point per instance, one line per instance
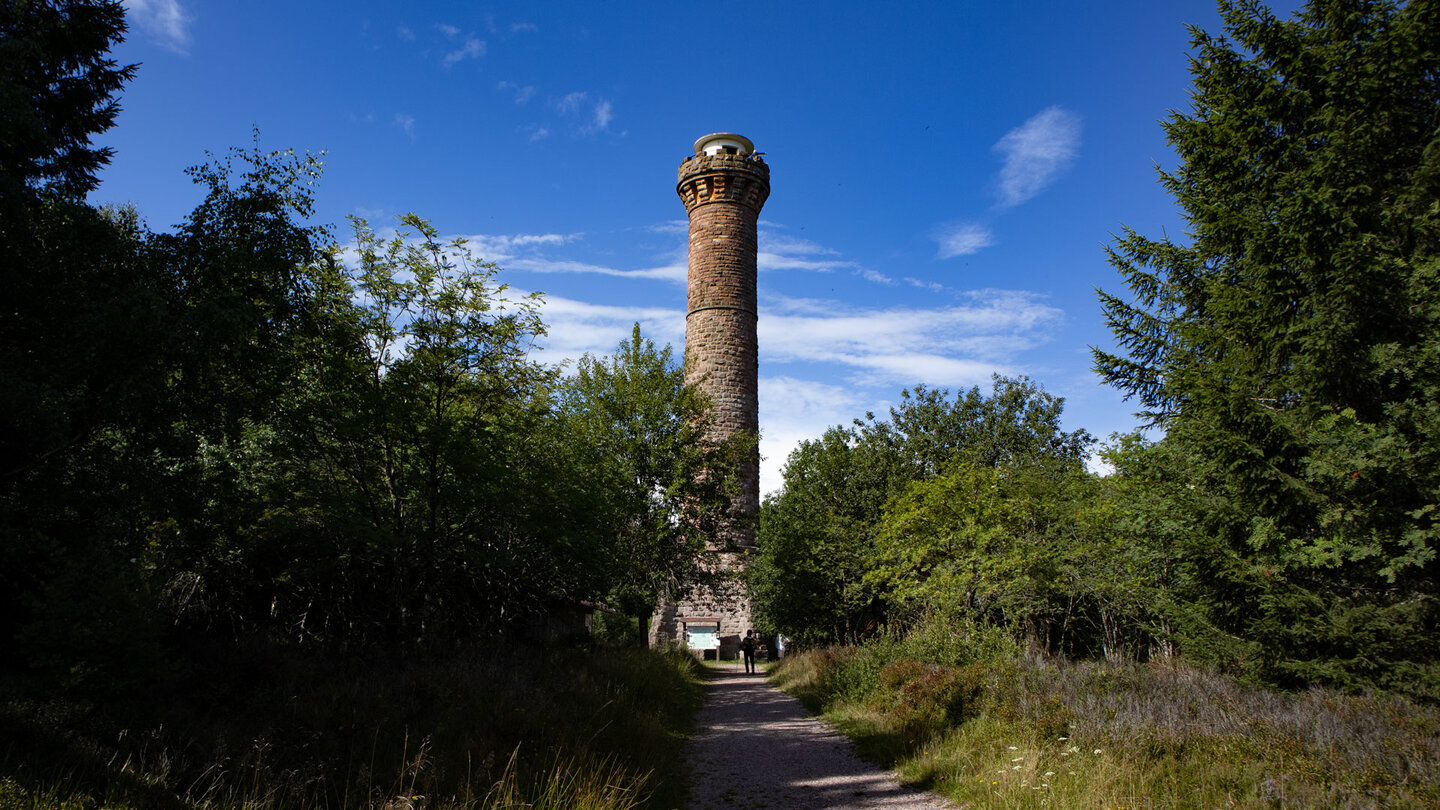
(710, 616)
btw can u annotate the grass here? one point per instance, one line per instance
(274, 727)
(1013, 731)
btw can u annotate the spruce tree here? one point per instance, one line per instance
(1293, 339)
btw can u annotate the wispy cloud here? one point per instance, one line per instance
(448, 30)
(522, 93)
(519, 27)
(405, 33)
(538, 133)
(932, 286)
(674, 226)
(793, 410)
(779, 251)
(962, 239)
(406, 123)
(1036, 153)
(589, 117)
(604, 113)
(669, 272)
(165, 20)
(472, 49)
(950, 346)
(528, 253)
(953, 345)
(875, 276)
(574, 328)
(569, 104)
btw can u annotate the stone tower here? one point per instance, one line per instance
(723, 186)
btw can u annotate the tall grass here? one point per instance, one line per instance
(994, 728)
(268, 727)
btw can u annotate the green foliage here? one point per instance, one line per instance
(239, 427)
(1292, 345)
(57, 91)
(637, 436)
(401, 440)
(824, 571)
(814, 542)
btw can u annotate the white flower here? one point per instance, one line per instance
(1014, 767)
(1049, 773)
(1013, 748)
(1017, 759)
(1097, 750)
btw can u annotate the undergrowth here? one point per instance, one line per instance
(991, 727)
(272, 727)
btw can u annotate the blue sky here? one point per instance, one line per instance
(944, 175)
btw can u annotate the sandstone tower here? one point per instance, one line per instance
(723, 186)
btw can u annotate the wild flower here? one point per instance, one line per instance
(1097, 750)
(1049, 773)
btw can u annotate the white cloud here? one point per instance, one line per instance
(604, 113)
(405, 33)
(954, 345)
(784, 252)
(587, 118)
(963, 239)
(875, 276)
(793, 410)
(1036, 152)
(528, 239)
(670, 272)
(525, 252)
(472, 49)
(522, 93)
(406, 123)
(932, 286)
(165, 20)
(570, 103)
(784, 243)
(576, 327)
(881, 350)
(522, 26)
(448, 30)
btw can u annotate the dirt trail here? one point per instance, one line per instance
(757, 747)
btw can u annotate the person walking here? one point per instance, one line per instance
(748, 648)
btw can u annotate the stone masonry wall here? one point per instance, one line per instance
(723, 195)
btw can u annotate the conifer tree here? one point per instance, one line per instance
(1293, 340)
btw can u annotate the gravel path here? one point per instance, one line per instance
(757, 747)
